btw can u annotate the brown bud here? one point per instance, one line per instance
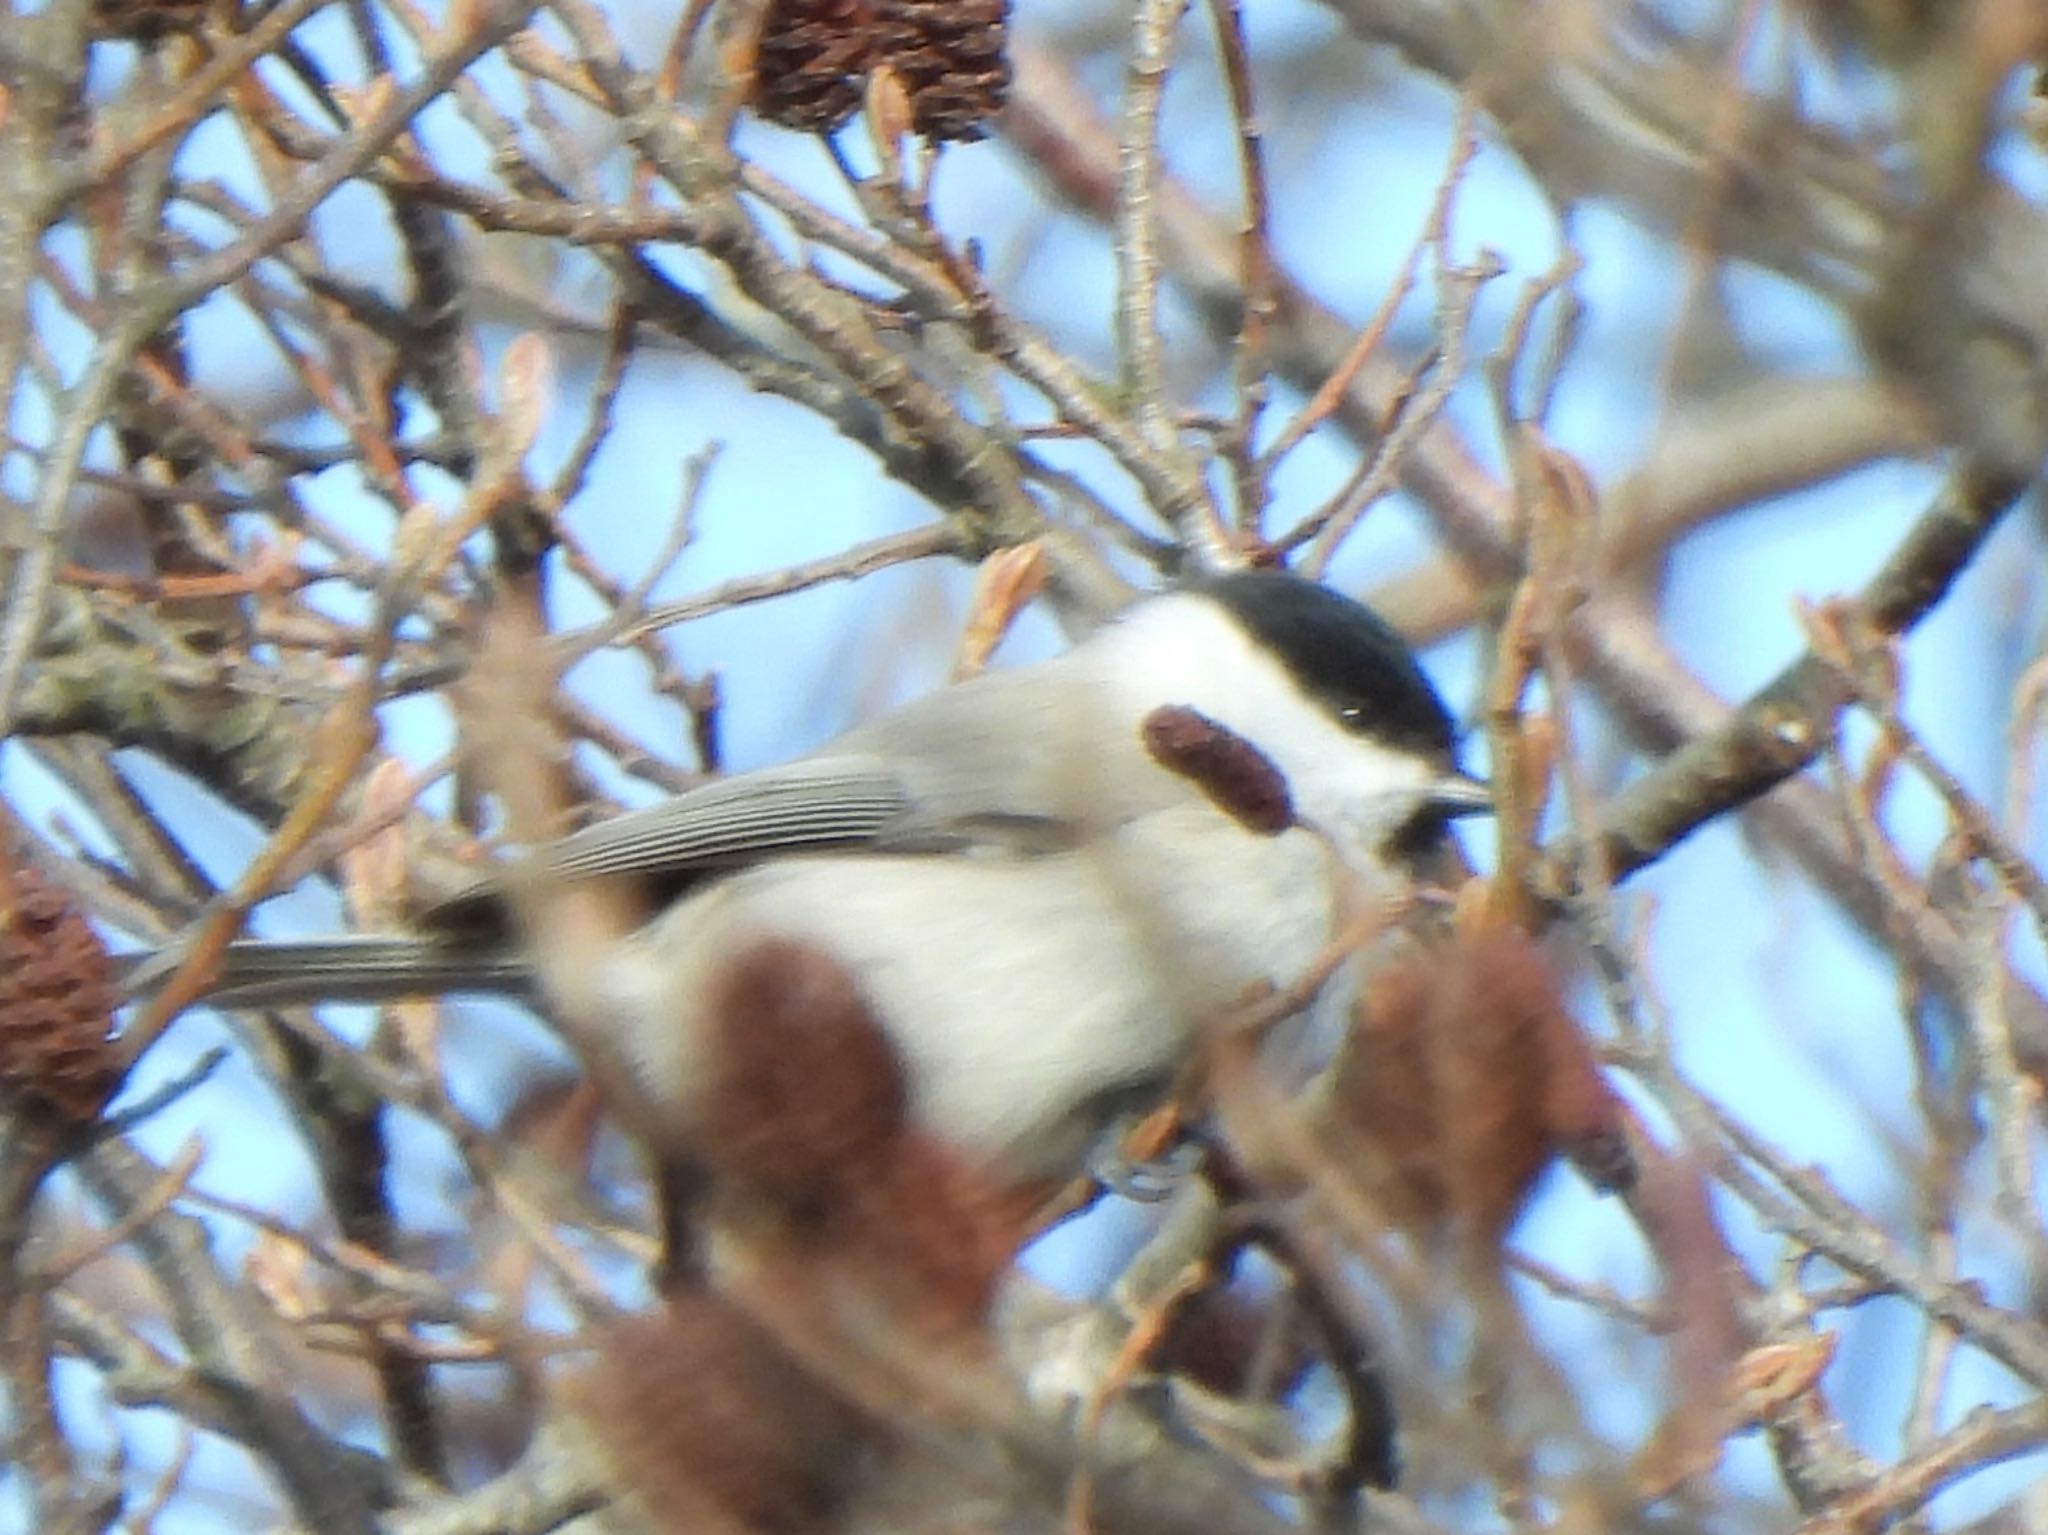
(1466, 1076)
(713, 1423)
(932, 1236)
(1233, 1342)
(806, 1094)
(1387, 1092)
(1239, 779)
(146, 21)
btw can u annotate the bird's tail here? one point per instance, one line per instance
(257, 972)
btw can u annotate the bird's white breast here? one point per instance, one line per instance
(1026, 995)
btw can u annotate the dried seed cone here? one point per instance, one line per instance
(811, 61)
(717, 1427)
(933, 1236)
(1239, 779)
(805, 1096)
(146, 21)
(950, 57)
(1465, 1077)
(57, 1001)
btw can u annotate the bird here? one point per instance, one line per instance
(1039, 909)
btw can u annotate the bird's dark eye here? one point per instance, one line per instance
(1351, 717)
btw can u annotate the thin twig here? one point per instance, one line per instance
(1143, 380)
(1785, 724)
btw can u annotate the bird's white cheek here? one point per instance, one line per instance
(1224, 908)
(1361, 808)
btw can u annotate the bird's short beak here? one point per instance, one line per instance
(1457, 794)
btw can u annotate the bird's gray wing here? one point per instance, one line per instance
(806, 806)
(818, 803)
(1002, 759)
(989, 763)
(465, 941)
(282, 972)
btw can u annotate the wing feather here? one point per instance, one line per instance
(737, 820)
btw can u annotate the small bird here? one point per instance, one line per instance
(1039, 911)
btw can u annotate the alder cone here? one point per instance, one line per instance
(57, 1001)
(935, 1234)
(146, 21)
(806, 1096)
(718, 1426)
(950, 56)
(812, 60)
(1465, 1076)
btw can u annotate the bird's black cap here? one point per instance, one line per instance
(1341, 653)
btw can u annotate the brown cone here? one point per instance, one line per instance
(949, 55)
(57, 1001)
(811, 62)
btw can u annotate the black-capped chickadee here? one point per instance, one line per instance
(1039, 914)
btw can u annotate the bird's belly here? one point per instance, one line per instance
(1028, 997)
